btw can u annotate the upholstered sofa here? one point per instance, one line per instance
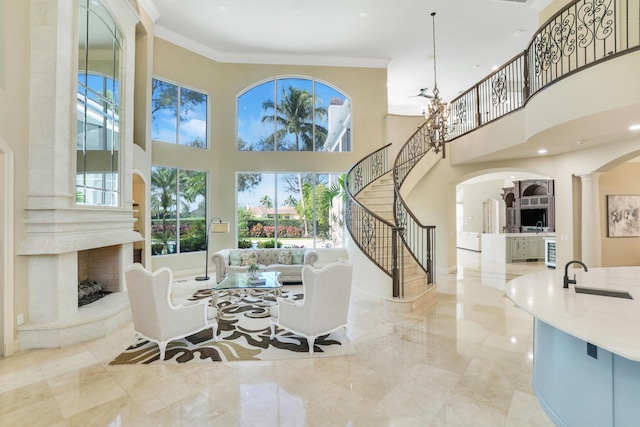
(288, 261)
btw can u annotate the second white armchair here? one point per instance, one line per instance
(325, 307)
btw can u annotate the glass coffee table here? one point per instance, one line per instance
(238, 286)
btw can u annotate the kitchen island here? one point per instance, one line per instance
(586, 368)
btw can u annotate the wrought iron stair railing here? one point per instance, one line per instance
(376, 237)
(418, 239)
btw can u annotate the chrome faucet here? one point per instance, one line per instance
(567, 281)
(538, 227)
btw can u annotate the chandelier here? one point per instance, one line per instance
(437, 112)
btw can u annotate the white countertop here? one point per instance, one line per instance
(529, 234)
(610, 323)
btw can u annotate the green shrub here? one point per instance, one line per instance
(244, 244)
(268, 244)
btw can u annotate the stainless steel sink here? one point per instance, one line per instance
(603, 292)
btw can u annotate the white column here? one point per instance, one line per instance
(591, 236)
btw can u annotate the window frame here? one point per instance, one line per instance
(329, 239)
(207, 113)
(344, 139)
(177, 212)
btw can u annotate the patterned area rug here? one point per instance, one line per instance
(241, 336)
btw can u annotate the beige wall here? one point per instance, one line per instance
(223, 82)
(622, 180)
(551, 9)
(472, 197)
(398, 131)
(14, 150)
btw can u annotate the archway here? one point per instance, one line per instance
(473, 193)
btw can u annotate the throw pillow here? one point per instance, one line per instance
(284, 257)
(244, 258)
(253, 257)
(234, 258)
(297, 256)
(248, 258)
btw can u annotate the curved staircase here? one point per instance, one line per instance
(372, 214)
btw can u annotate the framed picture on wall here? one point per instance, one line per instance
(623, 216)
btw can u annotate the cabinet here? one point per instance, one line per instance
(519, 248)
(523, 248)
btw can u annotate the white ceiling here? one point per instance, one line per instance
(472, 36)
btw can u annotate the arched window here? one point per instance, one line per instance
(293, 114)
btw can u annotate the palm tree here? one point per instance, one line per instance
(194, 184)
(164, 196)
(297, 115)
(291, 201)
(266, 202)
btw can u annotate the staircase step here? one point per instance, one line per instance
(425, 297)
(375, 197)
(380, 189)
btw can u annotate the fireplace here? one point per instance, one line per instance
(55, 320)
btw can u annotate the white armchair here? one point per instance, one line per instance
(325, 307)
(155, 317)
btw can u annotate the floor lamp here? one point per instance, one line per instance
(215, 226)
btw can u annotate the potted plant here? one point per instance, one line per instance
(253, 271)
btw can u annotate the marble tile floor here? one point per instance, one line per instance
(464, 362)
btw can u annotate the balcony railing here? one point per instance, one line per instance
(585, 33)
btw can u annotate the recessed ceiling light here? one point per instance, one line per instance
(579, 142)
(634, 127)
(542, 151)
(363, 14)
(223, 7)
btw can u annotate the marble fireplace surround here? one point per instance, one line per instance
(59, 254)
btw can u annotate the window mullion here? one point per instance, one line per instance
(178, 108)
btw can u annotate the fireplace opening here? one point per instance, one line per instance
(90, 291)
(97, 273)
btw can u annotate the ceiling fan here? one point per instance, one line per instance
(423, 93)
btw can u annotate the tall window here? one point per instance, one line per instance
(293, 114)
(179, 115)
(98, 106)
(178, 210)
(291, 209)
